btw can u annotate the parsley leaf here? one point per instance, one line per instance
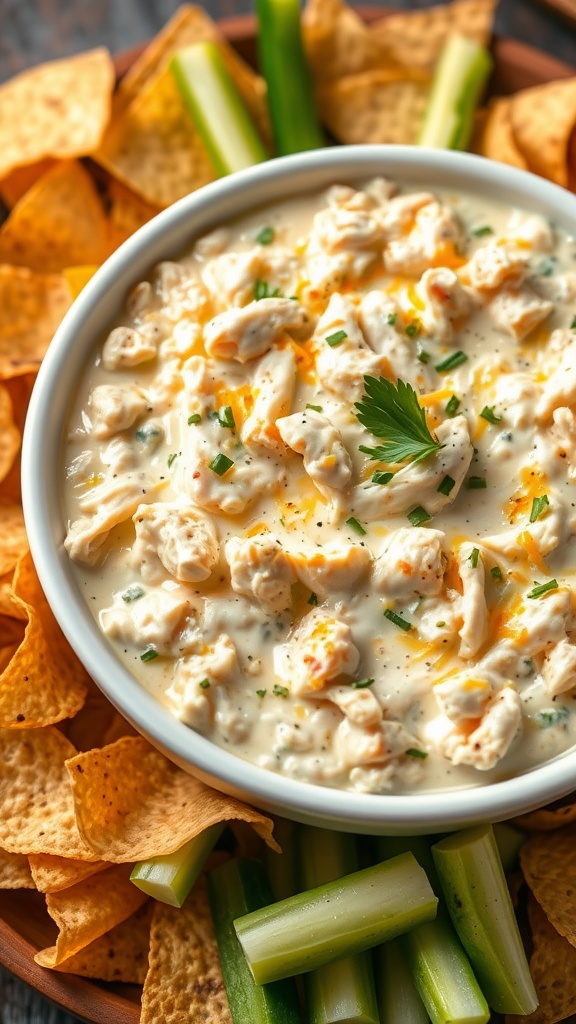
(394, 413)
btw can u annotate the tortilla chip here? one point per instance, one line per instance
(548, 862)
(31, 307)
(416, 38)
(128, 212)
(96, 721)
(338, 42)
(14, 871)
(45, 682)
(189, 25)
(13, 541)
(373, 107)
(154, 148)
(131, 803)
(88, 910)
(547, 819)
(36, 803)
(119, 955)
(9, 447)
(542, 121)
(58, 109)
(184, 980)
(59, 222)
(7, 651)
(15, 184)
(52, 874)
(495, 139)
(553, 970)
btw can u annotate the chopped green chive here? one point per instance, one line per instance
(476, 483)
(391, 318)
(336, 338)
(381, 478)
(538, 506)
(451, 362)
(147, 432)
(316, 408)
(226, 416)
(413, 330)
(313, 600)
(446, 485)
(204, 684)
(260, 693)
(397, 620)
(424, 356)
(551, 716)
(418, 516)
(361, 684)
(356, 526)
(132, 593)
(280, 691)
(474, 556)
(452, 405)
(221, 464)
(262, 291)
(171, 458)
(542, 588)
(265, 236)
(489, 414)
(413, 752)
(150, 654)
(573, 324)
(496, 573)
(482, 232)
(194, 418)
(548, 266)
(440, 624)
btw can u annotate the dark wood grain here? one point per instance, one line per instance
(32, 31)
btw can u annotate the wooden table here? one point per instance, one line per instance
(32, 31)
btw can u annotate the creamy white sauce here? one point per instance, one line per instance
(259, 597)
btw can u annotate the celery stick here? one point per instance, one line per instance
(508, 840)
(461, 74)
(341, 992)
(438, 964)
(336, 919)
(169, 878)
(479, 904)
(234, 888)
(398, 999)
(281, 867)
(283, 63)
(216, 108)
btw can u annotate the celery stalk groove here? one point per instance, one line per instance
(217, 108)
(461, 74)
(479, 904)
(398, 998)
(284, 66)
(336, 919)
(341, 992)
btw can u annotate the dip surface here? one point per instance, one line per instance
(380, 627)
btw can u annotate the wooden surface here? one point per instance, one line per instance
(35, 30)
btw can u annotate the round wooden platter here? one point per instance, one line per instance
(24, 924)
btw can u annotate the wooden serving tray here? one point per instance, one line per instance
(24, 924)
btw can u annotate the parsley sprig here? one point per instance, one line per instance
(394, 413)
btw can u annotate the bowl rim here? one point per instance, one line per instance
(170, 233)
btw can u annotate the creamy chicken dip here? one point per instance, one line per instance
(358, 621)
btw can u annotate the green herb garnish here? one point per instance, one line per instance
(538, 506)
(335, 339)
(194, 418)
(413, 329)
(313, 600)
(280, 691)
(356, 526)
(381, 478)
(262, 291)
(397, 620)
(482, 232)
(132, 593)
(394, 413)
(451, 362)
(542, 588)
(265, 236)
(171, 458)
(414, 752)
(446, 485)
(221, 464)
(452, 405)
(496, 573)
(150, 654)
(489, 414)
(391, 318)
(204, 684)
(474, 556)
(260, 693)
(315, 408)
(476, 483)
(361, 684)
(418, 516)
(226, 416)
(551, 716)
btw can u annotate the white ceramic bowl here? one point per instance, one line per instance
(172, 232)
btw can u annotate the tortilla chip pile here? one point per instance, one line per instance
(84, 162)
